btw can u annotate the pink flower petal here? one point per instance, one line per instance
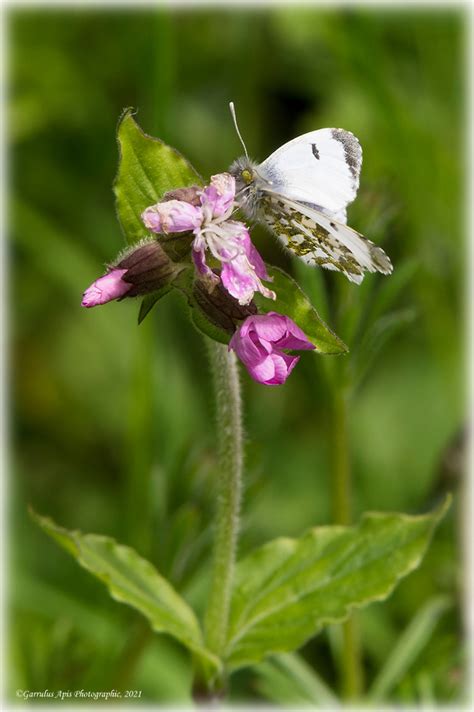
(263, 371)
(295, 338)
(246, 349)
(239, 276)
(207, 275)
(274, 369)
(239, 281)
(271, 326)
(242, 236)
(105, 289)
(172, 216)
(256, 261)
(258, 344)
(199, 259)
(284, 364)
(219, 196)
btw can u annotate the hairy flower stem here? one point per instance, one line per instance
(229, 486)
(351, 665)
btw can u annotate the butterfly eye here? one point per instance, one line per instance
(247, 176)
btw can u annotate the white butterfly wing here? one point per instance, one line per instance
(320, 167)
(319, 239)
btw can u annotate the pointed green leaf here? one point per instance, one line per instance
(149, 301)
(134, 581)
(287, 590)
(312, 282)
(148, 168)
(293, 302)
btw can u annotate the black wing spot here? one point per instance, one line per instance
(315, 151)
(352, 150)
(333, 225)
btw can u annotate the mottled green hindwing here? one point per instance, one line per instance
(321, 241)
(305, 238)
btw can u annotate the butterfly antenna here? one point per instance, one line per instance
(234, 117)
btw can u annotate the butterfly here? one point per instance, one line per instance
(301, 192)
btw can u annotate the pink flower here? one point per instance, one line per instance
(106, 288)
(260, 343)
(227, 240)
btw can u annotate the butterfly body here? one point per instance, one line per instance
(301, 192)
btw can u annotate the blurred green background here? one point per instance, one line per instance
(113, 424)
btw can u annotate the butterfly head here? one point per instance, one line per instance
(247, 176)
(243, 171)
(246, 191)
(247, 179)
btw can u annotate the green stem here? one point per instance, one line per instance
(229, 486)
(351, 665)
(352, 673)
(341, 478)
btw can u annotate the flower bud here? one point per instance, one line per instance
(105, 289)
(220, 307)
(143, 268)
(148, 268)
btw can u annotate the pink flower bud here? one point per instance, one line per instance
(172, 216)
(141, 269)
(260, 343)
(106, 288)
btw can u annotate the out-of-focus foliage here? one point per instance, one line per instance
(113, 423)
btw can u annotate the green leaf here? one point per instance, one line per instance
(132, 580)
(312, 281)
(149, 301)
(148, 168)
(293, 302)
(408, 647)
(287, 590)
